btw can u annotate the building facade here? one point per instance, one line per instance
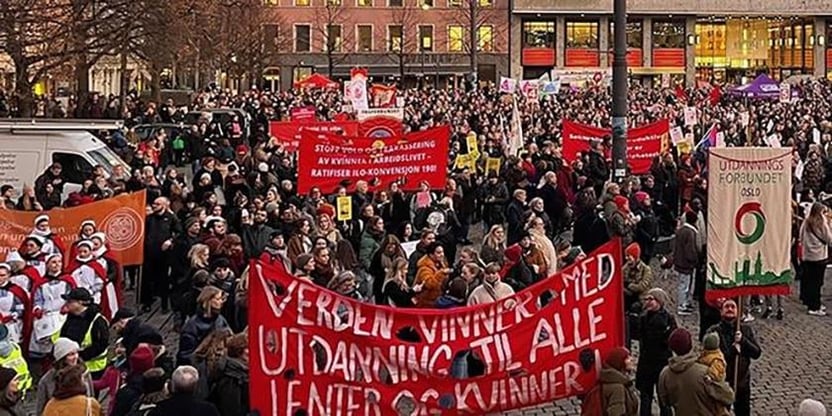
(427, 41)
(705, 40)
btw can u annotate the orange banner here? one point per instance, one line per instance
(121, 218)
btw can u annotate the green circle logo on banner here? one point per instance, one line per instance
(753, 209)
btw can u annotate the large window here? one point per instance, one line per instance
(668, 34)
(365, 38)
(426, 38)
(582, 34)
(394, 38)
(539, 34)
(271, 33)
(334, 40)
(456, 35)
(485, 38)
(635, 36)
(302, 38)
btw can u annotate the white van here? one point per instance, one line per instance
(29, 147)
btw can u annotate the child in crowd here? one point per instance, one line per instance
(712, 357)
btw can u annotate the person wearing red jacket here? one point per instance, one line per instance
(47, 302)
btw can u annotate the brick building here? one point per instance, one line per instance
(426, 40)
(702, 40)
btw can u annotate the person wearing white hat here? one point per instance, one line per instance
(110, 295)
(47, 301)
(85, 232)
(23, 274)
(87, 272)
(14, 305)
(51, 242)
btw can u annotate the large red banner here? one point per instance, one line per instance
(315, 352)
(288, 133)
(325, 160)
(643, 142)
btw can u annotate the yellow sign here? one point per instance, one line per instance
(465, 161)
(492, 164)
(344, 204)
(471, 139)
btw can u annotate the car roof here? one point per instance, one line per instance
(72, 139)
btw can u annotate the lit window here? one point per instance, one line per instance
(539, 34)
(485, 3)
(582, 35)
(426, 38)
(426, 4)
(365, 38)
(271, 2)
(455, 38)
(394, 38)
(454, 3)
(668, 34)
(303, 2)
(365, 3)
(485, 38)
(634, 34)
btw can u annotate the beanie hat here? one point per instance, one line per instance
(141, 359)
(303, 260)
(6, 376)
(680, 341)
(659, 294)
(190, 221)
(711, 341)
(64, 347)
(617, 358)
(811, 407)
(633, 250)
(641, 196)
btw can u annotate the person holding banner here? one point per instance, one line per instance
(47, 302)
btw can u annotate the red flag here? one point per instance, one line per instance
(383, 95)
(715, 95)
(680, 93)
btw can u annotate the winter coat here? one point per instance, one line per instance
(184, 405)
(73, 406)
(433, 278)
(686, 175)
(638, 278)
(46, 388)
(255, 238)
(749, 350)
(554, 202)
(76, 327)
(194, 332)
(447, 301)
(493, 212)
(369, 245)
(486, 293)
(490, 254)
(128, 395)
(654, 329)
(515, 218)
(646, 232)
(230, 390)
(685, 254)
(618, 394)
(683, 385)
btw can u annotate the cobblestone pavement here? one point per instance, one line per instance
(795, 364)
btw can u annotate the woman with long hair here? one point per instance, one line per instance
(390, 250)
(207, 319)
(494, 245)
(326, 229)
(395, 290)
(537, 232)
(815, 236)
(300, 242)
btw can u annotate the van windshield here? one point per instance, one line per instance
(108, 159)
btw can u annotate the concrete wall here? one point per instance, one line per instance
(701, 7)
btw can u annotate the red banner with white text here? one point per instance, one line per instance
(643, 142)
(287, 133)
(410, 159)
(306, 114)
(316, 353)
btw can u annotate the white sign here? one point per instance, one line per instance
(690, 116)
(744, 118)
(395, 113)
(785, 92)
(676, 135)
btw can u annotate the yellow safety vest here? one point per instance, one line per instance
(16, 362)
(98, 363)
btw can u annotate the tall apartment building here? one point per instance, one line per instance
(702, 40)
(427, 41)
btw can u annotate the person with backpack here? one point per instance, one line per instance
(614, 394)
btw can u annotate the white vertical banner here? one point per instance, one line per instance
(690, 116)
(747, 251)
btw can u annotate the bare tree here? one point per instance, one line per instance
(327, 18)
(406, 19)
(41, 36)
(473, 15)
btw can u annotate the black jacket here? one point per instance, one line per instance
(137, 332)
(180, 264)
(654, 330)
(184, 405)
(128, 395)
(194, 332)
(75, 328)
(159, 228)
(230, 390)
(514, 216)
(749, 350)
(255, 238)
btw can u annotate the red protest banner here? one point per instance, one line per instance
(315, 352)
(416, 157)
(306, 114)
(383, 95)
(287, 133)
(643, 142)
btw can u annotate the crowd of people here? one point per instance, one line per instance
(62, 308)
